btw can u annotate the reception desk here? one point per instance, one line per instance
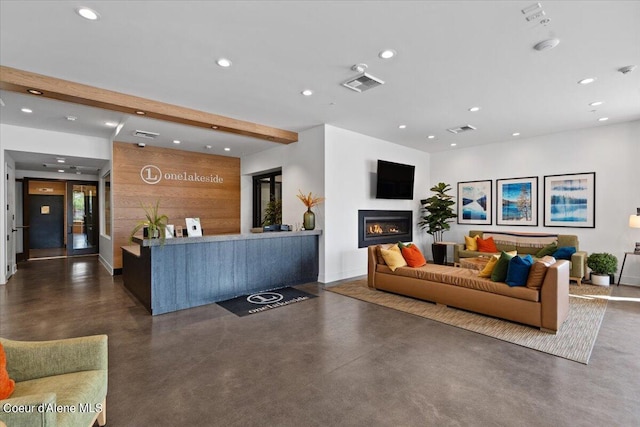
(192, 271)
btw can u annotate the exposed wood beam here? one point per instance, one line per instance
(22, 81)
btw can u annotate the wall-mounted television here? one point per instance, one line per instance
(395, 181)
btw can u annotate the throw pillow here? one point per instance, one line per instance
(538, 272)
(487, 245)
(488, 269)
(564, 253)
(413, 256)
(379, 254)
(393, 257)
(6, 384)
(499, 273)
(402, 245)
(518, 270)
(471, 243)
(547, 250)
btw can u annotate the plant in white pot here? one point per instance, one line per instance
(602, 265)
(437, 214)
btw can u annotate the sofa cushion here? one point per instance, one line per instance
(488, 269)
(462, 277)
(78, 388)
(413, 256)
(499, 273)
(518, 270)
(393, 257)
(6, 384)
(538, 272)
(547, 250)
(379, 253)
(471, 243)
(486, 245)
(564, 253)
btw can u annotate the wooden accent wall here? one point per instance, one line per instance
(47, 188)
(187, 189)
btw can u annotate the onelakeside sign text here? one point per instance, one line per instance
(152, 174)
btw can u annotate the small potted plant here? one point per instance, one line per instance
(438, 213)
(155, 223)
(309, 217)
(603, 265)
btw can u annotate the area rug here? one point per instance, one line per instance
(263, 301)
(574, 341)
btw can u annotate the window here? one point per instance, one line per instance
(267, 198)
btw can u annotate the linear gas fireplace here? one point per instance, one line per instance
(375, 227)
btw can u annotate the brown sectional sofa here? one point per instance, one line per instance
(462, 288)
(528, 243)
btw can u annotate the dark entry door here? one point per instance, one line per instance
(82, 218)
(46, 221)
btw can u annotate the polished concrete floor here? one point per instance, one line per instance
(328, 361)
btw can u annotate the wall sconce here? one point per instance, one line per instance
(634, 222)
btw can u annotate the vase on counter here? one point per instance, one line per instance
(309, 220)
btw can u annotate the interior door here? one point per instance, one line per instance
(10, 225)
(82, 218)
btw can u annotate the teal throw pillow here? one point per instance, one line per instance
(518, 270)
(547, 250)
(499, 273)
(564, 253)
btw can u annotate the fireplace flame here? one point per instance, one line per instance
(375, 229)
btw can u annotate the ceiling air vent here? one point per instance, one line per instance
(145, 134)
(362, 82)
(461, 129)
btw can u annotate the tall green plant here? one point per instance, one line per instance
(273, 213)
(602, 263)
(437, 211)
(155, 222)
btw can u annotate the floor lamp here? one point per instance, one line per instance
(634, 222)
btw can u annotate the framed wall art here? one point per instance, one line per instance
(474, 202)
(517, 201)
(569, 200)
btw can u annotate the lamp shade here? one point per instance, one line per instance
(634, 221)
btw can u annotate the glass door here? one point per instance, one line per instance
(82, 218)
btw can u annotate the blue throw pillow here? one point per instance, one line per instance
(564, 252)
(518, 271)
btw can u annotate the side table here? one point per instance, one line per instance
(623, 261)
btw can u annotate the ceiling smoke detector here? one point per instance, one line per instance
(145, 134)
(627, 69)
(546, 44)
(461, 129)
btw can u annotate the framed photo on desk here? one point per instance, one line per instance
(193, 227)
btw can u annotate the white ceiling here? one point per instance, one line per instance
(451, 55)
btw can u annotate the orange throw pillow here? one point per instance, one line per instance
(6, 384)
(413, 256)
(487, 245)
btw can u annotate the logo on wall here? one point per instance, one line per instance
(151, 174)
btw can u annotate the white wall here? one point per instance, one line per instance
(612, 152)
(31, 140)
(350, 185)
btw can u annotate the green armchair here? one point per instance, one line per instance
(58, 383)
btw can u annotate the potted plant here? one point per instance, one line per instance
(155, 223)
(437, 214)
(603, 265)
(273, 213)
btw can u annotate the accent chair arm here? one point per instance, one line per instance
(33, 417)
(456, 251)
(27, 360)
(579, 264)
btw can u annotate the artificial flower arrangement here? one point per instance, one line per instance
(309, 201)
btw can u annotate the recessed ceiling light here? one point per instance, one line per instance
(34, 91)
(474, 109)
(175, 141)
(87, 13)
(595, 104)
(402, 127)
(453, 144)
(60, 170)
(111, 124)
(140, 113)
(71, 118)
(214, 127)
(307, 92)
(208, 147)
(431, 136)
(387, 54)
(516, 134)
(587, 81)
(224, 62)
(26, 110)
(227, 149)
(60, 160)
(78, 173)
(603, 119)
